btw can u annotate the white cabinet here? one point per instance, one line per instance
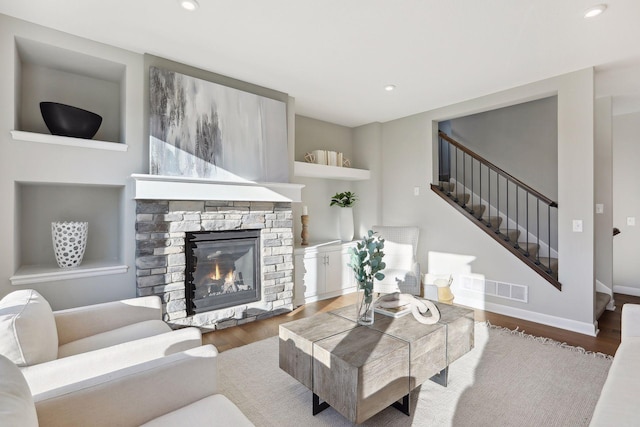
(322, 271)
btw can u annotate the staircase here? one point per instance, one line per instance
(520, 218)
(602, 300)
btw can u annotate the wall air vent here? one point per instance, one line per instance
(494, 288)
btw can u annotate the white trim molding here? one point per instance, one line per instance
(159, 187)
(627, 290)
(585, 328)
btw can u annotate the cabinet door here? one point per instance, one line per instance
(348, 279)
(314, 274)
(335, 270)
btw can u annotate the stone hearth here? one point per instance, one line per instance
(160, 255)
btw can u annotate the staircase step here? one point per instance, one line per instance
(531, 248)
(554, 264)
(513, 234)
(447, 187)
(495, 221)
(463, 198)
(477, 210)
(602, 300)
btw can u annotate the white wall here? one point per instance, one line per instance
(626, 203)
(408, 151)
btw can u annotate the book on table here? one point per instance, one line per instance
(393, 311)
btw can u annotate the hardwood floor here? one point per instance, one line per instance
(606, 342)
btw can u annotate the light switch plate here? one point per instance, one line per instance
(577, 225)
(631, 220)
(599, 208)
(416, 191)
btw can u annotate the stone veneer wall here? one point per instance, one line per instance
(160, 255)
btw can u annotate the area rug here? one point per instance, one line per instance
(508, 379)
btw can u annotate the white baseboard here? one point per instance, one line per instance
(544, 319)
(626, 290)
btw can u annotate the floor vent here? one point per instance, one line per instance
(497, 289)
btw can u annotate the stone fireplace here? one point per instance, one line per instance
(164, 230)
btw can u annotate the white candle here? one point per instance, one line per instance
(305, 210)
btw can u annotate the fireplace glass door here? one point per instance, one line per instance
(223, 269)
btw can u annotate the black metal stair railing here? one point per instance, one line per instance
(522, 219)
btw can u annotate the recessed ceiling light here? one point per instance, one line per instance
(189, 5)
(594, 11)
(389, 88)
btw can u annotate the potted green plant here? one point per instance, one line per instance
(345, 201)
(366, 263)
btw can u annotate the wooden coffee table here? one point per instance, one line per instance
(361, 370)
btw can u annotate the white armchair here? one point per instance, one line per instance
(180, 389)
(54, 349)
(402, 273)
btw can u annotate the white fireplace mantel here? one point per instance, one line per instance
(161, 187)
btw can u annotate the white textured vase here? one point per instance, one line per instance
(69, 242)
(346, 224)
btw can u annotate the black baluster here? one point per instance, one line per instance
(538, 229)
(497, 230)
(489, 199)
(455, 195)
(480, 197)
(549, 238)
(471, 198)
(464, 179)
(507, 185)
(517, 216)
(526, 252)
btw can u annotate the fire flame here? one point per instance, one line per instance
(217, 276)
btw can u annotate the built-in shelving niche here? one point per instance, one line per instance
(51, 73)
(39, 204)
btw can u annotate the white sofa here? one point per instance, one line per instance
(54, 349)
(618, 403)
(180, 389)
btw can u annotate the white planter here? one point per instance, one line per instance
(346, 224)
(69, 242)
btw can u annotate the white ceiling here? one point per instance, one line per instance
(335, 56)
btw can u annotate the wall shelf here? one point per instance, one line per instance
(30, 274)
(18, 135)
(312, 170)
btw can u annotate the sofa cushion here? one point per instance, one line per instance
(16, 403)
(148, 328)
(618, 401)
(212, 411)
(28, 333)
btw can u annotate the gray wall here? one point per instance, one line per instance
(521, 139)
(312, 134)
(28, 169)
(603, 169)
(408, 150)
(626, 203)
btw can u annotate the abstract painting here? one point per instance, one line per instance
(206, 130)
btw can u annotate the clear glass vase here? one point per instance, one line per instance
(364, 306)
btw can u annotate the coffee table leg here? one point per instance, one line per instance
(441, 377)
(403, 407)
(317, 406)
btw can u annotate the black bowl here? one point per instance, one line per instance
(65, 120)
